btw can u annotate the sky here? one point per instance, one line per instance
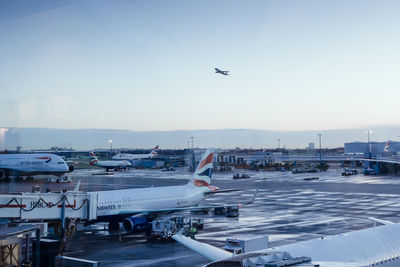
(149, 65)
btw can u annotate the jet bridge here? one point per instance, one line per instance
(49, 206)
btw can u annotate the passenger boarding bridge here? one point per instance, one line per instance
(49, 206)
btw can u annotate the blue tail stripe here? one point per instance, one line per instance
(207, 172)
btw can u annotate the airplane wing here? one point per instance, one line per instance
(217, 255)
(236, 189)
(384, 222)
(223, 191)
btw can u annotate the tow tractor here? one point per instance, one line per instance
(369, 171)
(165, 228)
(228, 211)
(63, 179)
(348, 172)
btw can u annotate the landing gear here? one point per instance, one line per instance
(113, 226)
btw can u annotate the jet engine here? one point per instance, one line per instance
(136, 224)
(71, 168)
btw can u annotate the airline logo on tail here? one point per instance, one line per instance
(154, 152)
(93, 158)
(386, 149)
(202, 175)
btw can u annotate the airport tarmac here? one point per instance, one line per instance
(287, 209)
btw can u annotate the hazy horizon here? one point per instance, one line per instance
(41, 138)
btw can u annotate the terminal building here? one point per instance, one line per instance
(373, 149)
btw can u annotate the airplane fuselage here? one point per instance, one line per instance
(223, 72)
(110, 164)
(131, 156)
(33, 164)
(142, 200)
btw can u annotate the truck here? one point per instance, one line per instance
(245, 244)
(349, 172)
(165, 228)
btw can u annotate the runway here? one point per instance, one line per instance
(287, 209)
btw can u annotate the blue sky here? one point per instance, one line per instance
(148, 65)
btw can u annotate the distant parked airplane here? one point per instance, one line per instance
(223, 72)
(126, 156)
(108, 164)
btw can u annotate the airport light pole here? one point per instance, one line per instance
(279, 143)
(369, 132)
(2, 135)
(110, 141)
(320, 152)
(192, 137)
(193, 157)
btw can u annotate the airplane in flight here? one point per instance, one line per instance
(108, 164)
(126, 156)
(136, 207)
(223, 72)
(377, 246)
(32, 164)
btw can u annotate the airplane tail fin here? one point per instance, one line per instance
(78, 184)
(203, 172)
(93, 158)
(154, 152)
(386, 149)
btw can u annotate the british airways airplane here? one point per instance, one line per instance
(136, 207)
(108, 164)
(33, 164)
(126, 156)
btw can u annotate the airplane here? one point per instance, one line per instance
(126, 156)
(108, 164)
(223, 72)
(136, 207)
(377, 246)
(32, 164)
